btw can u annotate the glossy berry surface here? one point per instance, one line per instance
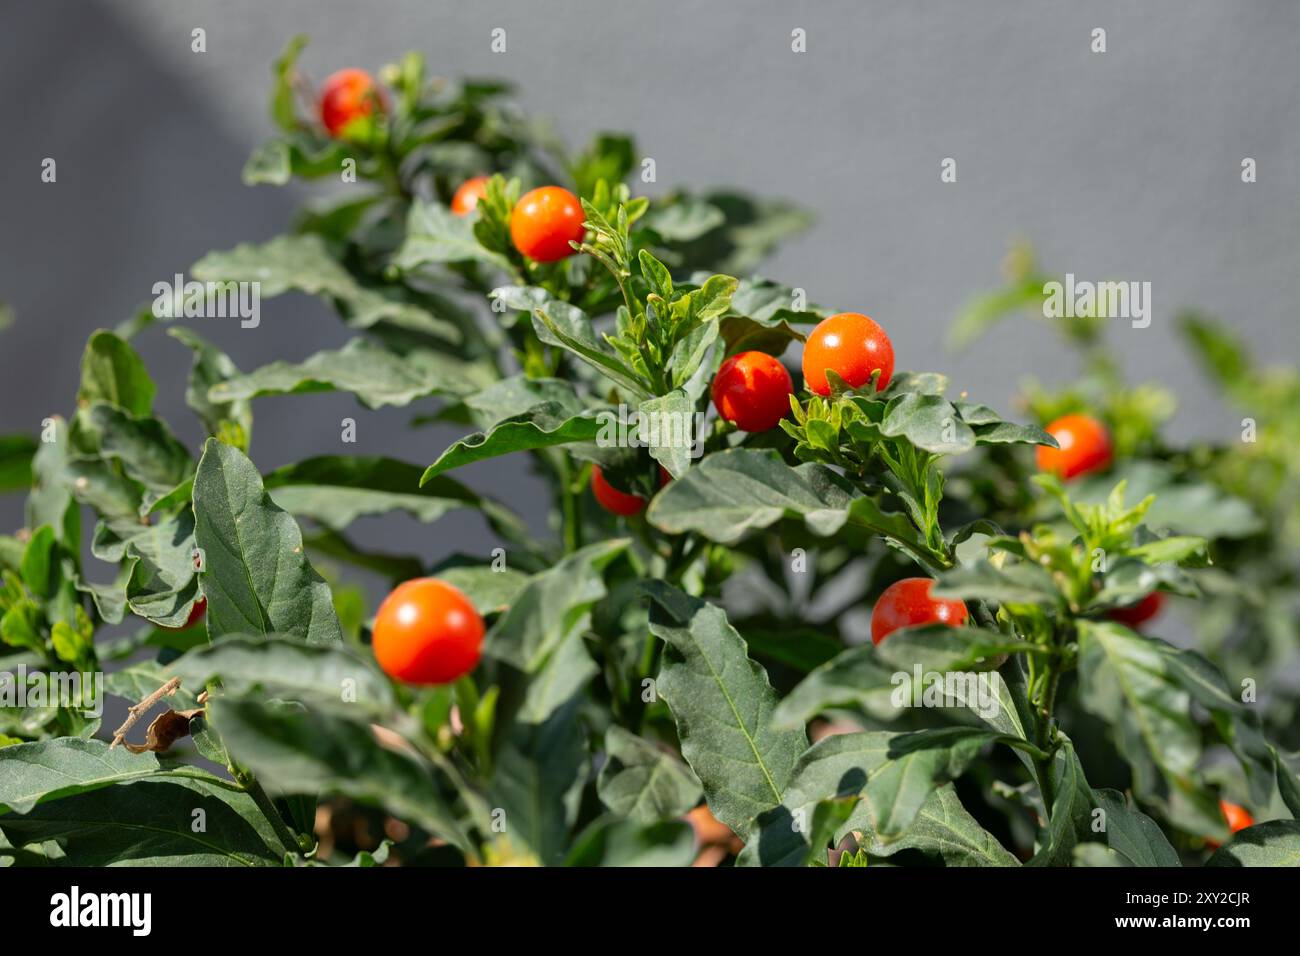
(465, 201)
(853, 347)
(752, 391)
(907, 603)
(1085, 447)
(544, 222)
(427, 632)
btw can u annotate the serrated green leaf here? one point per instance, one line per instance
(436, 235)
(1275, 843)
(729, 494)
(302, 263)
(722, 703)
(376, 376)
(643, 781)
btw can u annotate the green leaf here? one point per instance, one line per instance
(50, 501)
(564, 326)
(542, 426)
(552, 606)
(112, 372)
(394, 567)
(151, 823)
(337, 490)
(643, 780)
(1275, 843)
(16, 453)
(303, 263)
(489, 589)
(518, 394)
(162, 586)
(1014, 583)
(1139, 686)
(31, 773)
(1011, 433)
(230, 421)
(722, 703)
(144, 446)
(294, 751)
(137, 681)
(565, 673)
(938, 648)
(671, 441)
(730, 493)
(917, 764)
(1182, 506)
(1133, 834)
(537, 782)
(855, 678)
(376, 376)
(39, 565)
(436, 235)
(284, 668)
(20, 627)
(929, 422)
(684, 220)
(881, 765)
(257, 579)
(943, 827)
(1070, 816)
(283, 92)
(612, 842)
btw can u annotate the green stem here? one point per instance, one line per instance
(1044, 708)
(249, 783)
(572, 527)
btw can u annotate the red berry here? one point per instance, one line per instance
(1085, 447)
(752, 391)
(468, 195)
(611, 499)
(850, 345)
(1236, 816)
(545, 221)
(907, 603)
(1139, 613)
(348, 95)
(427, 632)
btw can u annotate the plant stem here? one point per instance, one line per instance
(1043, 711)
(572, 528)
(264, 803)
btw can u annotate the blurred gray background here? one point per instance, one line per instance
(1123, 165)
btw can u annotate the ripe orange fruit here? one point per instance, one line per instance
(346, 96)
(907, 603)
(752, 391)
(545, 221)
(852, 346)
(467, 196)
(427, 632)
(1085, 447)
(611, 499)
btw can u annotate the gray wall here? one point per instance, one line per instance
(1122, 165)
